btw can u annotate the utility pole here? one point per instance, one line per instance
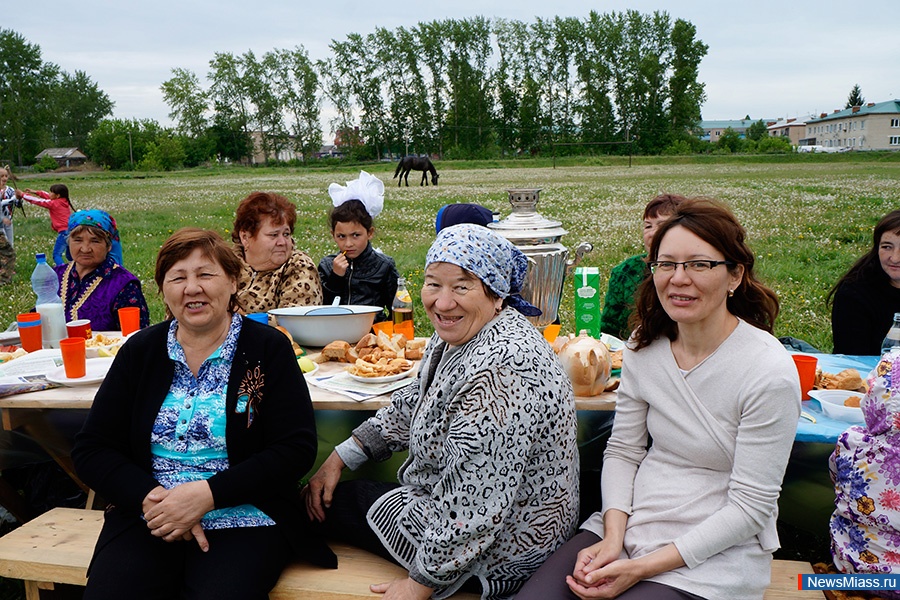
(130, 152)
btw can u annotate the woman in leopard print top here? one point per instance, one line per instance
(490, 487)
(273, 273)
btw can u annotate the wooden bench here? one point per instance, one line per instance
(57, 547)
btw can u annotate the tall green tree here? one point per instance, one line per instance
(295, 80)
(26, 86)
(470, 112)
(686, 93)
(231, 106)
(78, 107)
(594, 106)
(188, 102)
(855, 98)
(433, 53)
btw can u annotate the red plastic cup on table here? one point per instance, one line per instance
(79, 328)
(129, 319)
(29, 325)
(73, 356)
(806, 369)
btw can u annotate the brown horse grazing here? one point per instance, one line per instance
(416, 163)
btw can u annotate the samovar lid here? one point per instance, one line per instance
(525, 223)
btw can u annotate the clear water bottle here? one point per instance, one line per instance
(45, 285)
(892, 339)
(402, 311)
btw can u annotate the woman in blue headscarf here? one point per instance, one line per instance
(95, 285)
(490, 487)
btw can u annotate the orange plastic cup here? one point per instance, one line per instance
(79, 328)
(129, 319)
(806, 369)
(72, 349)
(30, 331)
(385, 326)
(551, 332)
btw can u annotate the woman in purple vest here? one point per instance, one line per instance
(94, 285)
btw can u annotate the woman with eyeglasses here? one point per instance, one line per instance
(705, 419)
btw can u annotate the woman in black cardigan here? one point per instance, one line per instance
(867, 296)
(197, 438)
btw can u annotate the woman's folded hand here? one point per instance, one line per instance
(176, 513)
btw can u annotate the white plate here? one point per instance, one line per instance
(832, 403)
(94, 372)
(387, 379)
(612, 342)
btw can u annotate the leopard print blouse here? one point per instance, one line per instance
(490, 488)
(295, 283)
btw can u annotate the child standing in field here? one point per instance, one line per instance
(60, 207)
(359, 274)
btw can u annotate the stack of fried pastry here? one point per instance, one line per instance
(378, 355)
(848, 379)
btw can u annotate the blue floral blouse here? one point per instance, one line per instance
(188, 437)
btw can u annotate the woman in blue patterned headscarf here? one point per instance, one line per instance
(94, 285)
(490, 487)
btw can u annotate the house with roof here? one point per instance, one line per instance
(792, 130)
(874, 126)
(64, 157)
(713, 130)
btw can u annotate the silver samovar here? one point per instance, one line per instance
(538, 238)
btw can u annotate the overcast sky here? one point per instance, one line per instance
(768, 58)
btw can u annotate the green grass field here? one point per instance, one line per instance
(808, 218)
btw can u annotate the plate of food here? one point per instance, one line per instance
(95, 371)
(103, 346)
(842, 405)
(383, 379)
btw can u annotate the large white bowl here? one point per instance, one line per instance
(832, 403)
(319, 330)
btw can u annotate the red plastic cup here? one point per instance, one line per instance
(73, 356)
(806, 369)
(30, 331)
(79, 328)
(129, 319)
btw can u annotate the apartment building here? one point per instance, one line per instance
(874, 126)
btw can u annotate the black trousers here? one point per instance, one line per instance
(242, 564)
(346, 520)
(549, 581)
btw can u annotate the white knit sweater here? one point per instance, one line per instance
(721, 436)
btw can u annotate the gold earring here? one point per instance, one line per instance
(730, 293)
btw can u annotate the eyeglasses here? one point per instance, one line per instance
(691, 266)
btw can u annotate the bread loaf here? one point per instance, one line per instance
(415, 349)
(337, 350)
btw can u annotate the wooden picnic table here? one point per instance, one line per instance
(27, 411)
